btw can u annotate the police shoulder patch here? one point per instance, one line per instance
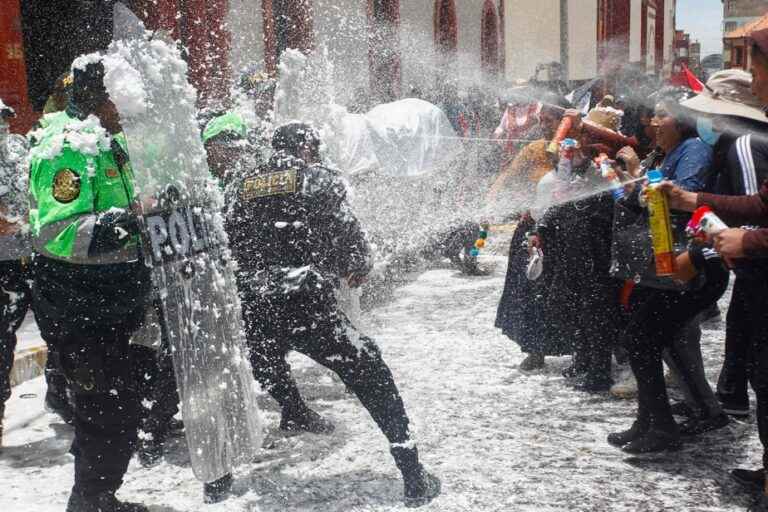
(66, 186)
(270, 184)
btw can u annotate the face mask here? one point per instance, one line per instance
(706, 132)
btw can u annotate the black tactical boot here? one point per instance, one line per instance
(419, 486)
(751, 478)
(103, 502)
(620, 439)
(761, 505)
(304, 419)
(654, 441)
(217, 491)
(703, 424)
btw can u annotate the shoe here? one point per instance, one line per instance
(149, 451)
(682, 409)
(732, 407)
(593, 387)
(217, 491)
(305, 419)
(653, 441)
(761, 505)
(626, 387)
(751, 478)
(700, 425)
(59, 405)
(420, 488)
(102, 502)
(534, 361)
(620, 439)
(571, 373)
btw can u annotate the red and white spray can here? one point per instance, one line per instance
(705, 224)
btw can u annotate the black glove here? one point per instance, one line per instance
(112, 230)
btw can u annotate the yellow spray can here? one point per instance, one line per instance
(660, 226)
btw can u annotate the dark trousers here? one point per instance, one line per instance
(746, 355)
(734, 379)
(656, 318)
(324, 334)
(156, 389)
(98, 371)
(15, 299)
(596, 320)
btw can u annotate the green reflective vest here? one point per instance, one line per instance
(74, 176)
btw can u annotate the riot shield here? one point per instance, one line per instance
(186, 247)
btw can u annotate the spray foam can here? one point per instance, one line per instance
(660, 226)
(704, 223)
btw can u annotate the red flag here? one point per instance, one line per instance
(686, 78)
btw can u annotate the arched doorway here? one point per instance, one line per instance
(446, 26)
(489, 39)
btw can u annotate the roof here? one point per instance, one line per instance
(746, 30)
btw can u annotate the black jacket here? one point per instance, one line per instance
(291, 229)
(743, 167)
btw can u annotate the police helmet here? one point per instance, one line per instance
(291, 138)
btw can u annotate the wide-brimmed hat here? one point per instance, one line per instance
(729, 93)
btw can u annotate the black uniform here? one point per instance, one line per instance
(15, 298)
(294, 237)
(88, 314)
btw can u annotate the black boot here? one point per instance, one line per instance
(419, 486)
(216, 491)
(654, 441)
(703, 424)
(304, 419)
(761, 505)
(102, 502)
(751, 478)
(620, 439)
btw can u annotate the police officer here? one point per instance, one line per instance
(295, 238)
(15, 295)
(91, 286)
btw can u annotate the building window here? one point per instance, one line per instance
(738, 56)
(730, 26)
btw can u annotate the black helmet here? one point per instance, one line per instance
(291, 138)
(88, 89)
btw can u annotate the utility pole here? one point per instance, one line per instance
(564, 57)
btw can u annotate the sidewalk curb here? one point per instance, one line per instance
(28, 364)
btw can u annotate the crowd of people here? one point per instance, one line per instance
(570, 172)
(598, 296)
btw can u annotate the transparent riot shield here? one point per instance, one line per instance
(186, 247)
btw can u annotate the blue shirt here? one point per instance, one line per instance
(689, 164)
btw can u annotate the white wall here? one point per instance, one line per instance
(532, 35)
(635, 27)
(669, 35)
(582, 39)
